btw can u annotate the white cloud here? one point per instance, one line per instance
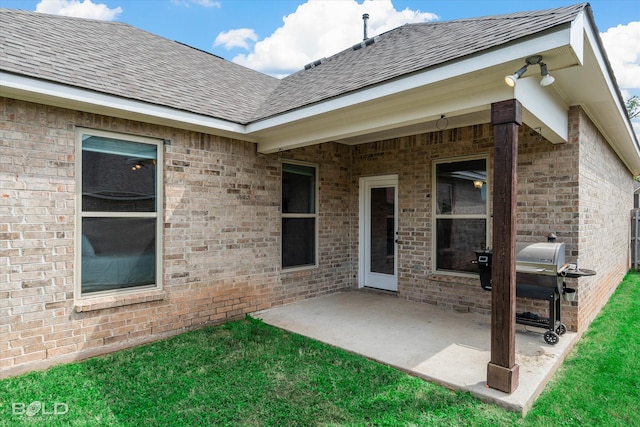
(622, 44)
(203, 3)
(321, 28)
(236, 38)
(207, 3)
(79, 9)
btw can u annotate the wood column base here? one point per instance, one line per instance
(503, 379)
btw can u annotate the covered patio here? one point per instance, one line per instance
(439, 345)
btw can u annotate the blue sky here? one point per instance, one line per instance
(279, 37)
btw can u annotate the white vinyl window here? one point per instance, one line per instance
(299, 215)
(461, 213)
(119, 232)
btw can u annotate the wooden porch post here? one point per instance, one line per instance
(502, 371)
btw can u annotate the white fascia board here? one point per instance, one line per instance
(516, 51)
(577, 37)
(36, 90)
(547, 112)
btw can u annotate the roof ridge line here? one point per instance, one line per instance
(521, 14)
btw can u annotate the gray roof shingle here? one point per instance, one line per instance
(118, 59)
(408, 49)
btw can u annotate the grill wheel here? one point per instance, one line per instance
(551, 337)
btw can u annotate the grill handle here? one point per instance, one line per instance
(524, 269)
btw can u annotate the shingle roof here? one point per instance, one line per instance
(407, 49)
(118, 59)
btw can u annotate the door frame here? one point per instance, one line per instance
(365, 184)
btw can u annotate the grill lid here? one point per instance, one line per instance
(545, 253)
(540, 258)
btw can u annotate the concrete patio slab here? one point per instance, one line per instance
(440, 345)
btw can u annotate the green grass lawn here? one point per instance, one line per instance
(250, 374)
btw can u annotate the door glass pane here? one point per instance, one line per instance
(462, 188)
(118, 253)
(382, 248)
(458, 239)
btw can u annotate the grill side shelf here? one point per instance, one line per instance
(574, 273)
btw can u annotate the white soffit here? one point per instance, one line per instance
(591, 85)
(611, 116)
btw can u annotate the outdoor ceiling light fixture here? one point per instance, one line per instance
(546, 80)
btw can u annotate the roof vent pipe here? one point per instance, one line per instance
(365, 18)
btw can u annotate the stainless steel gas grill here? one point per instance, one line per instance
(540, 272)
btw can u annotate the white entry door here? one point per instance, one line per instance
(378, 232)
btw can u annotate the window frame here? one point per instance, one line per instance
(158, 214)
(435, 216)
(314, 215)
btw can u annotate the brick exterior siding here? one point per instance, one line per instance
(606, 198)
(221, 253)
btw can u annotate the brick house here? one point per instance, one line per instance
(149, 188)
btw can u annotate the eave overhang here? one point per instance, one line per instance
(49, 93)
